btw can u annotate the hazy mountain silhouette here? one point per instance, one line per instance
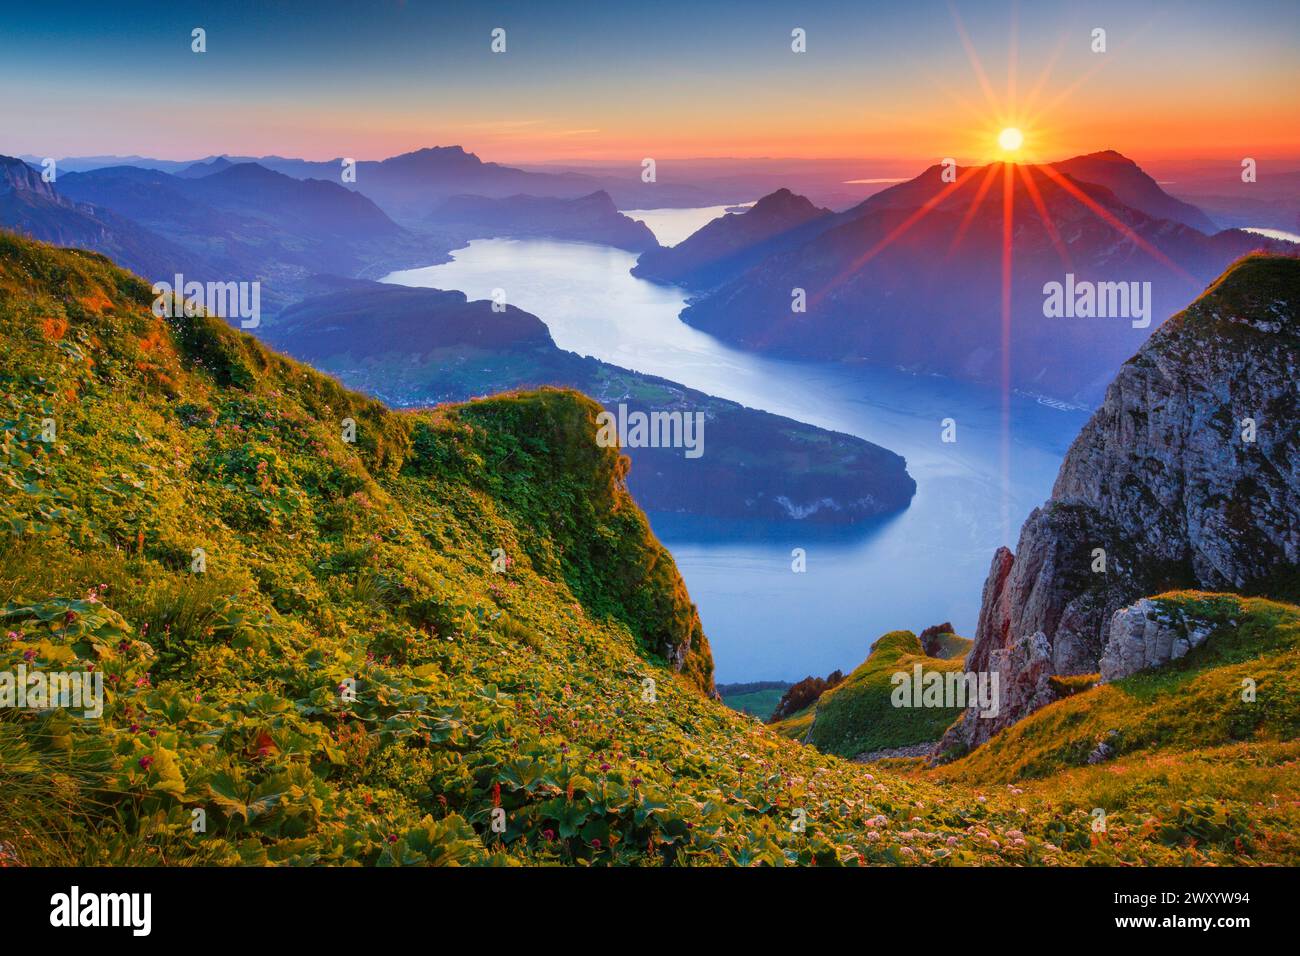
(912, 277)
(34, 208)
(730, 244)
(201, 169)
(591, 218)
(246, 222)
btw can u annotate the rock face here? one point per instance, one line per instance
(1144, 635)
(1187, 476)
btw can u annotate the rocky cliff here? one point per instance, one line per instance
(1187, 476)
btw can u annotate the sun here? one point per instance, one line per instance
(1011, 139)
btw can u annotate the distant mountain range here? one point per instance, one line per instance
(241, 222)
(410, 185)
(912, 277)
(34, 208)
(220, 220)
(415, 347)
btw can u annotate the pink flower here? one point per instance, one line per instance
(146, 763)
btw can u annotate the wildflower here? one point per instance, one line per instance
(548, 835)
(146, 763)
(595, 843)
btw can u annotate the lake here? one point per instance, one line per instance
(921, 567)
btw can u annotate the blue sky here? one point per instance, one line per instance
(592, 80)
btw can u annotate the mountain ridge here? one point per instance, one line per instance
(346, 679)
(1187, 476)
(927, 254)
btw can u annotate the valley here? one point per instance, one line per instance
(926, 561)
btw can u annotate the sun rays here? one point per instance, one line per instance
(1011, 137)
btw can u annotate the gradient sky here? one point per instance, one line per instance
(617, 80)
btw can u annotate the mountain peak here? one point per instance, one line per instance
(1108, 155)
(18, 176)
(248, 172)
(445, 156)
(1133, 186)
(728, 245)
(205, 167)
(783, 202)
(1259, 291)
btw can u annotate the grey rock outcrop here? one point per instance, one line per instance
(1105, 749)
(1146, 635)
(1188, 475)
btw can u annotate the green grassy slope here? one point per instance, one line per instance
(1189, 704)
(519, 696)
(858, 715)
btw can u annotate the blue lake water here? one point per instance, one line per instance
(765, 621)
